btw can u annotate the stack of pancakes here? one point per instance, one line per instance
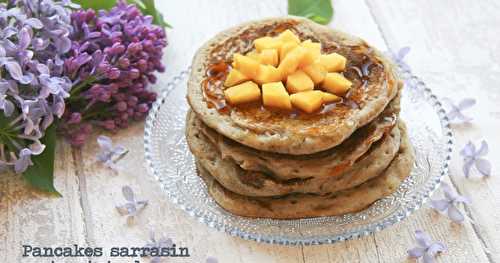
(260, 162)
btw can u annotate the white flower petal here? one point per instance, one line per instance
(466, 103)
(416, 252)
(104, 142)
(436, 247)
(423, 239)
(440, 205)
(454, 214)
(128, 193)
(483, 166)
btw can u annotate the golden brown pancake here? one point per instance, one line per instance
(328, 163)
(296, 133)
(312, 205)
(251, 183)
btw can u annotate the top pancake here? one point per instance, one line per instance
(296, 133)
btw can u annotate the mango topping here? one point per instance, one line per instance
(291, 61)
(336, 83)
(333, 62)
(316, 72)
(285, 48)
(299, 81)
(242, 93)
(266, 74)
(312, 46)
(308, 101)
(288, 36)
(235, 77)
(328, 97)
(269, 57)
(252, 54)
(313, 52)
(282, 61)
(246, 65)
(267, 43)
(275, 95)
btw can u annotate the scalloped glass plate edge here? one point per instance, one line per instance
(411, 82)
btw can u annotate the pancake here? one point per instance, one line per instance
(312, 205)
(329, 163)
(296, 133)
(250, 183)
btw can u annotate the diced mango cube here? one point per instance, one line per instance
(275, 95)
(269, 57)
(313, 46)
(242, 93)
(234, 77)
(316, 72)
(336, 83)
(333, 62)
(288, 36)
(312, 54)
(291, 62)
(308, 101)
(285, 48)
(267, 43)
(266, 74)
(246, 65)
(328, 97)
(299, 81)
(253, 54)
(308, 58)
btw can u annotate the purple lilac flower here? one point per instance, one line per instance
(132, 207)
(455, 113)
(426, 248)
(113, 57)
(160, 243)
(449, 204)
(34, 39)
(473, 157)
(211, 260)
(399, 57)
(110, 154)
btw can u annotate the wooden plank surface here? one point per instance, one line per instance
(31, 218)
(455, 50)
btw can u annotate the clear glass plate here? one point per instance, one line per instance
(171, 163)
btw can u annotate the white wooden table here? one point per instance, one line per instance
(455, 49)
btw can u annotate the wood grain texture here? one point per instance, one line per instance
(28, 217)
(457, 53)
(455, 50)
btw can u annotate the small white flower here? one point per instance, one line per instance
(449, 204)
(132, 207)
(110, 154)
(426, 249)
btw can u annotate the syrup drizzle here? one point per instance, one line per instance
(359, 70)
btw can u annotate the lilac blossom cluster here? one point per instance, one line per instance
(113, 57)
(34, 38)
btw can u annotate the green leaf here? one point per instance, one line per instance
(138, 3)
(319, 11)
(147, 7)
(7, 134)
(41, 173)
(96, 4)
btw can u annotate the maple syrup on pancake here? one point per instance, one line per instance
(360, 70)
